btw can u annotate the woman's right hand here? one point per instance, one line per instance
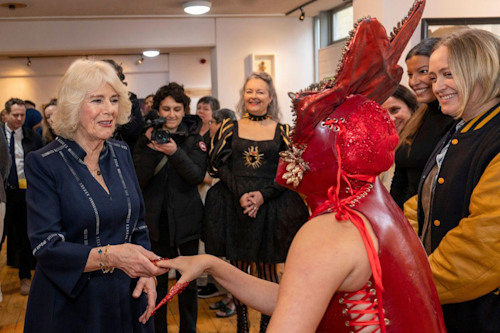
(133, 259)
(190, 267)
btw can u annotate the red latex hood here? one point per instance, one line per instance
(363, 133)
(368, 67)
(369, 70)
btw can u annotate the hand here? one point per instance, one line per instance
(254, 200)
(148, 286)
(245, 201)
(134, 260)
(190, 267)
(168, 148)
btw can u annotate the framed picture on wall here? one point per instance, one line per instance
(441, 27)
(260, 63)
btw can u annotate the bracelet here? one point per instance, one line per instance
(103, 264)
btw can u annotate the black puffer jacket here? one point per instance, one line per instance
(174, 187)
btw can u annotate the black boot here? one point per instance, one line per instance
(243, 324)
(264, 321)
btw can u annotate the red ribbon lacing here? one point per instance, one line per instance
(367, 315)
(343, 212)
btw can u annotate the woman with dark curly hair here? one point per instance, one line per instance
(169, 172)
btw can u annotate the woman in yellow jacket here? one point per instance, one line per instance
(458, 210)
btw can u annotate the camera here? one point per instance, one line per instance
(159, 135)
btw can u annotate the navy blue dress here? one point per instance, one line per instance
(69, 213)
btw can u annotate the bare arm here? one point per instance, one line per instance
(259, 294)
(325, 256)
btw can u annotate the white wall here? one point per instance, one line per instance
(290, 40)
(39, 82)
(36, 35)
(224, 43)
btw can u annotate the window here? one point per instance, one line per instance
(342, 23)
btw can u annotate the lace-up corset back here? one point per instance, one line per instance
(409, 297)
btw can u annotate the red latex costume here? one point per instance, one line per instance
(342, 140)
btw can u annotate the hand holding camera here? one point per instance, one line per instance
(159, 137)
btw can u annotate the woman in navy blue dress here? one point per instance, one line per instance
(86, 215)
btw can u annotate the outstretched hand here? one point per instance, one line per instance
(190, 267)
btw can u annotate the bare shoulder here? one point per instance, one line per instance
(333, 248)
(323, 256)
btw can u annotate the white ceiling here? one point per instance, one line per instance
(85, 8)
(78, 9)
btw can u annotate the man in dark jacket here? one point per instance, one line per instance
(169, 172)
(21, 141)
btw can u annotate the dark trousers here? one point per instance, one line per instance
(188, 299)
(18, 246)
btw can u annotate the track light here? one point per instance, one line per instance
(28, 63)
(140, 60)
(301, 8)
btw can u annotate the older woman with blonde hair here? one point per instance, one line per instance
(86, 215)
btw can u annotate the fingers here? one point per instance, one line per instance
(148, 285)
(138, 289)
(244, 202)
(256, 198)
(165, 263)
(136, 261)
(150, 255)
(176, 289)
(251, 211)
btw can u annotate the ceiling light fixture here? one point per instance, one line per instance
(197, 7)
(301, 8)
(151, 53)
(140, 60)
(28, 63)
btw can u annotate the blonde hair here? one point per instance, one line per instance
(273, 108)
(81, 78)
(474, 61)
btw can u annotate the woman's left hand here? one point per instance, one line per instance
(148, 286)
(256, 200)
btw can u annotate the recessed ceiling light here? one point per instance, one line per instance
(197, 7)
(151, 53)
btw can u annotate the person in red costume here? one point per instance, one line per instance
(356, 265)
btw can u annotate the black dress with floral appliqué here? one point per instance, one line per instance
(243, 166)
